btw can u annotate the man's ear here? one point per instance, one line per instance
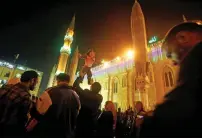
(32, 80)
(182, 37)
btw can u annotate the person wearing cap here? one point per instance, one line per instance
(179, 114)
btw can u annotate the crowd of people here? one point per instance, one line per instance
(70, 111)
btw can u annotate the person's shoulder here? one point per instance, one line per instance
(50, 88)
(21, 90)
(108, 113)
(194, 55)
(4, 89)
(66, 90)
(73, 92)
(58, 87)
(49, 91)
(181, 98)
(99, 96)
(86, 91)
(6, 86)
(197, 48)
(182, 92)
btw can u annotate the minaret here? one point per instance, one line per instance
(73, 67)
(139, 38)
(184, 18)
(66, 48)
(141, 60)
(52, 77)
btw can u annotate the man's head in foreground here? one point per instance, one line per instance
(181, 39)
(30, 79)
(63, 78)
(96, 87)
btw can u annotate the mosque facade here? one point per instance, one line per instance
(143, 74)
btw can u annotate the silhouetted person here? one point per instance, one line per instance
(15, 104)
(90, 103)
(139, 117)
(106, 124)
(119, 132)
(59, 120)
(179, 115)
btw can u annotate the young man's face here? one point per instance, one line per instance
(33, 83)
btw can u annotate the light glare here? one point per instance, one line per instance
(106, 64)
(130, 54)
(118, 58)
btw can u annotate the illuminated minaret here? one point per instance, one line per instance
(52, 77)
(73, 66)
(139, 37)
(66, 48)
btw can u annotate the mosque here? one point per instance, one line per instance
(143, 74)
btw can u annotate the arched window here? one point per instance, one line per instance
(124, 81)
(168, 78)
(115, 85)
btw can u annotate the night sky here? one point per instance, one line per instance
(35, 30)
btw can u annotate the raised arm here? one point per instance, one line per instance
(77, 87)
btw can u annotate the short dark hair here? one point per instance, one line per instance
(188, 26)
(28, 75)
(63, 77)
(96, 87)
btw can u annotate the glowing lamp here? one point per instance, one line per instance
(118, 58)
(106, 64)
(102, 61)
(130, 54)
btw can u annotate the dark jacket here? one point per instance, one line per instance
(179, 115)
(90, 103)
(60, 119)
(15, 104)
(105, 125)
